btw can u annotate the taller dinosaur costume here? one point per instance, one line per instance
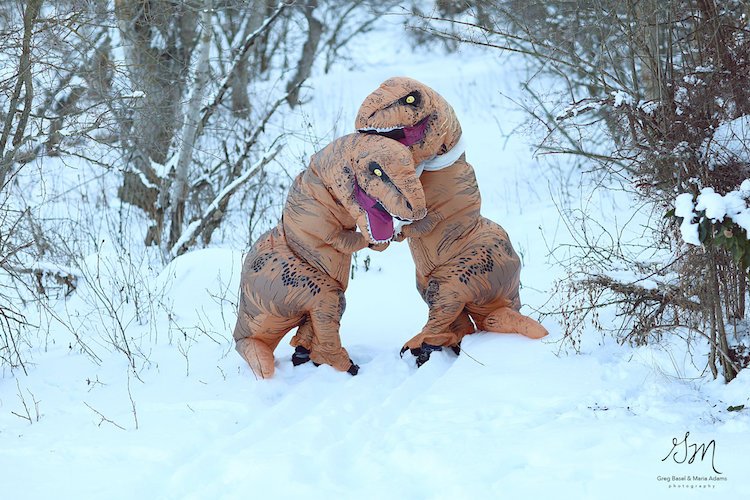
(466, 266)
(295, 275)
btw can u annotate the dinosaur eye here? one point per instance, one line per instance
(412, 99)
(376, 170)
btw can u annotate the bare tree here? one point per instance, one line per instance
(658, 78)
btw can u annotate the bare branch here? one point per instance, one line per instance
(192, 232)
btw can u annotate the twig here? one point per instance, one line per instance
(104, 419)
(132, 403)
(463, 351)
(23, 401)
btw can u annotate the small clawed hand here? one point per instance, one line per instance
(379, 247)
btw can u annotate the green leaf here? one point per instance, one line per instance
(704, 230)
(669, 214)
(736, 408)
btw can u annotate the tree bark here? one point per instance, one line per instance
(158, 37)
(23, 80)
(304, 66)
(190, 129)
(649, 49)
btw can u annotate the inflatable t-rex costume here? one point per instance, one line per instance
(466, 266)
(296, 274)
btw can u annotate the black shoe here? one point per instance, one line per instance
(353, 370)
(422, 353)
(300, 356)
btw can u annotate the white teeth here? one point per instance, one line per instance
(375, 129)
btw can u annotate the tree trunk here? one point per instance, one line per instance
(650, 49)
(240, 75)
(189, 129)
(304, 66)
(157, 38)
(23, 81)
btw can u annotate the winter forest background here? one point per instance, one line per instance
(145, 144)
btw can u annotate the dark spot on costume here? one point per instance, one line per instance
(431, 293)
(506, 246)
(260, 261)
(342, 305)
(482, 263)
(289, 277)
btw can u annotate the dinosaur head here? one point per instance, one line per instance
(413, 114)
(375, 180)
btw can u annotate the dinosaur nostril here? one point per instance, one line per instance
(408, 205)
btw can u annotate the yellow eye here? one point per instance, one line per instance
(410, 99)
(377, 172)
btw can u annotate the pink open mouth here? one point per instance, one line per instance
(414, 134)
(379, 220)
(406, 135)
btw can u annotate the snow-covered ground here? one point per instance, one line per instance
(509, 418)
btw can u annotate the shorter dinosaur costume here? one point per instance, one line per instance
(295, 275)
(466, 266)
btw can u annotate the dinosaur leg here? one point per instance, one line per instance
(463, 325)
(257, 337)
(258, 355)
(508, 320)
(325, 318)
(447, 322)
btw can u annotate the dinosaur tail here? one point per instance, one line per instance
(507, 320)
(258, 355)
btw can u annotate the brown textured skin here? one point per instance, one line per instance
(296, 274)
(466, 266)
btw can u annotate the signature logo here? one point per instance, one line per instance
(684, 451)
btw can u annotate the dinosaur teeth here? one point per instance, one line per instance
(378, 130)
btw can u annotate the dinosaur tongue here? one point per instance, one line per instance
(413, 134)
(381, 223)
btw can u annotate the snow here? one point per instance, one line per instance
(684, 208)
(733, 205)
(508, 418)
(712, 203)
(622, 98)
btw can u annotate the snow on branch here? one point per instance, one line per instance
(714, 207)
(717, 220)
(191, 233)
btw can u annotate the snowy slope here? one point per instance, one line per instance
(509, 418)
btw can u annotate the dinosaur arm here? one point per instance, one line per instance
(421, 227)
(346, 240)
